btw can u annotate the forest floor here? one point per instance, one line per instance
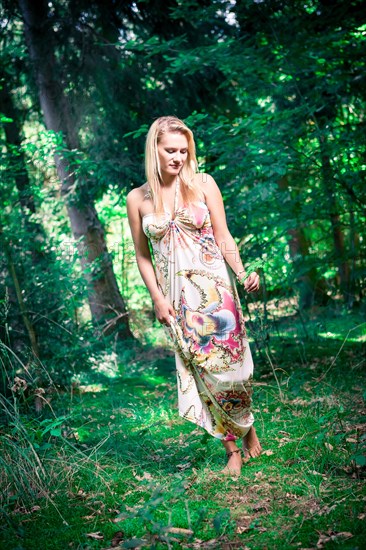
(116, 467)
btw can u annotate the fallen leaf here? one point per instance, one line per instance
(145, 475)
(130, 508)
(332, 536)
(212, 543)
(241, 529)
(96, 536)
(117, 538)
(267, 452)
(180, 531)
(183, 466)
(190, 482)
(283, 441)
(329, 446)
(260, 506)
(132, 543)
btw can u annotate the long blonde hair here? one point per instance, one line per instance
(190, 190)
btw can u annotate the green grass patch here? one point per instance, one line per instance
(112, 465)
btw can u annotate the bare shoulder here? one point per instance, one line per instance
(137, 194)
(206, 183)
(136, 197)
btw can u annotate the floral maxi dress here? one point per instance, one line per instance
(213, 358)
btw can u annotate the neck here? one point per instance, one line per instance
(168, 180)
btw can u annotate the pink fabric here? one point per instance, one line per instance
(230, 437)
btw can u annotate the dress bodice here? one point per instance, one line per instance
(192, 218)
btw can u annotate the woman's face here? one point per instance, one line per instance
(173, 152)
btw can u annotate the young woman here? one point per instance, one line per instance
(193, 287)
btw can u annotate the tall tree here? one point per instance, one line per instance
(106, 303)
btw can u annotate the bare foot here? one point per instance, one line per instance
(251, 446)
(233, 466)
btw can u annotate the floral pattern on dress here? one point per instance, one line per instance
(213, 359)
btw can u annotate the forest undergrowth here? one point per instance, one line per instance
(109, 463)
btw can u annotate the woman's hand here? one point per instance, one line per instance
(163, 310)
(251, 284)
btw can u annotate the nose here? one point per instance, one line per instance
(177, 157)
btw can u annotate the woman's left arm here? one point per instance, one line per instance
(222, 234)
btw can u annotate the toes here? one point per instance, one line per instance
(256, 451)
(252, 452)
(231, 471)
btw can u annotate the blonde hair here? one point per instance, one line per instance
(190, 190)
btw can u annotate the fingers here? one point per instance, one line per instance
(164, 315)
(253, 286)
(167, 321)
(164, 321)
(252, 282)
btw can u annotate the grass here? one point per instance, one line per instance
(121, 469)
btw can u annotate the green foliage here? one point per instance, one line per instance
(278, 120)
(118, 464)
(90, 443)
(279, 152)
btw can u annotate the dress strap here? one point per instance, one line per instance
(176, 197)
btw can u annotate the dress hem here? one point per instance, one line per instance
(218, 436)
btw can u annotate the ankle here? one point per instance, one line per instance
(230, 446)
(229, 454)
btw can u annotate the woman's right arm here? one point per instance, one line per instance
(143, 257)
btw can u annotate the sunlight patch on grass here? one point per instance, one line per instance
(93, 388)
(106, 363)
(330, 335)
(138, 470)
(356, 334)
(341, 337)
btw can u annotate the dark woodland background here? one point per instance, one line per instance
(275, 93)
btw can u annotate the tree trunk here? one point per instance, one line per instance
(18, 171)
(19, 294)
(13, 138)
(354, 247)
(106, 303)
(311, 286)
(338, 236)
